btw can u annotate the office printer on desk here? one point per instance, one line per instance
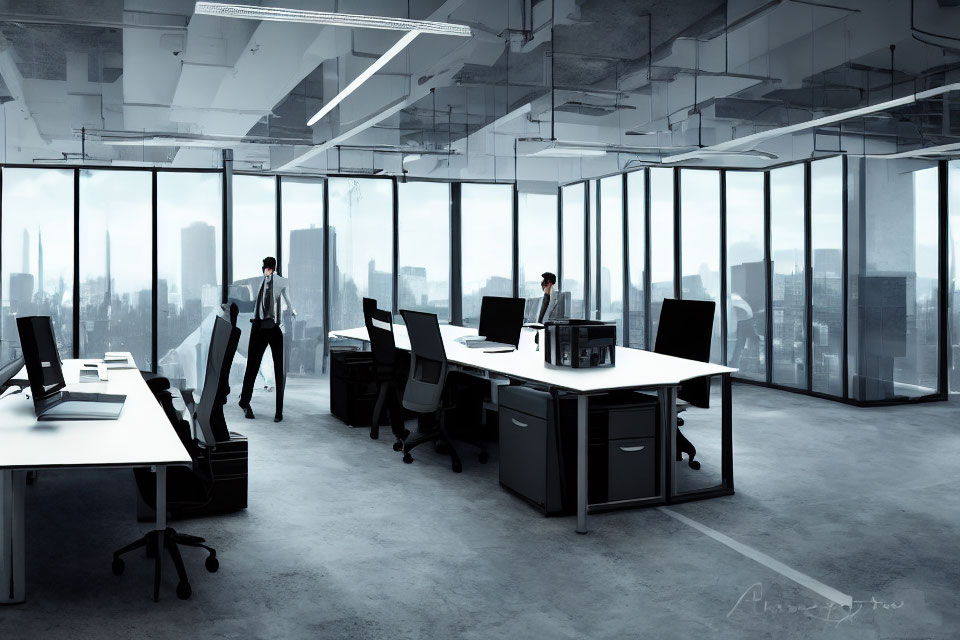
(580, 343)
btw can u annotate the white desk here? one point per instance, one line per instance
(141, 437)
(635, 369)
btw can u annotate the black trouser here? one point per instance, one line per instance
(260, 339)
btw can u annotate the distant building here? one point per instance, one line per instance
(21, 292)
(305, 273)
(198, 260)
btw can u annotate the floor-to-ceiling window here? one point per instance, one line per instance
(700, 243)
(301, 238)
(826, 237)
(254, 224)
(897, 292)
(953, 272)
(746, 275)
(661, 242)
(537, 250)
(361, 247)
(189, 262)
(897, 312)
(116, 270)
(572, 248)
(37, 273)
(636, 237)
(610, 278)
(486, 245)
(424, 247)
(787, 250)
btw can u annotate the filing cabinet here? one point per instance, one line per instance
(538, 456)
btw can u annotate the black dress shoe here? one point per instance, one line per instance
(247, 411)
(278, 417)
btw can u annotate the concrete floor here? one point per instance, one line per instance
(342, 540)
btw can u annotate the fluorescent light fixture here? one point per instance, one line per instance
(567, 152)
(756, 138)
(918, 153)
(278, 14)
(363, 77)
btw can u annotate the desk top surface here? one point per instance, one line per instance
(141, 436)
(634, 368)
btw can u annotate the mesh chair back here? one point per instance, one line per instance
(428, 362)
(685, 331)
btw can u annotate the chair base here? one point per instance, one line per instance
(171, 542)
(442, 438)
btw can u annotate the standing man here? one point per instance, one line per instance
(266, 332)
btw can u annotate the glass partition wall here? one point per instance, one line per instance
(746, 274)
(116, 272)
(839, 291)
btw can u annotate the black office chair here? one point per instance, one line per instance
(189, 488)
(685, 331)
(424, 392)
(380, 330)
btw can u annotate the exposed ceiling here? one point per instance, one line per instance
(614, 82)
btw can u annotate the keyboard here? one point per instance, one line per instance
(488, 344)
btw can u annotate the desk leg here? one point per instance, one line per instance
(161, 526)
(582, 414)
(727, 432)
(668, 422)
(12, 550)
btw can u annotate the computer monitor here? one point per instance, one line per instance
(501, 319)
(41, 356)
(9, 370)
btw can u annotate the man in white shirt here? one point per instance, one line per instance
(265, 332)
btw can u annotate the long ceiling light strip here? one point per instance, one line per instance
(747, 141)
(363, 77)
(278, 14)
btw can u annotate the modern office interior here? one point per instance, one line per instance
(546, 277)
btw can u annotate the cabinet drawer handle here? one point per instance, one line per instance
(518, 423)
(632, 449)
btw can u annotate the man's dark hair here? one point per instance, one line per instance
(270, 263)
(549, 277)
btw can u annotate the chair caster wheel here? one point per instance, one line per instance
(184, 590)
(483, 457)
(398, 446)
(212, 564)
(117, 567)
(456, 466)
(407, 458)
(694, 464)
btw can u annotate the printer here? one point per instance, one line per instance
(580, 343)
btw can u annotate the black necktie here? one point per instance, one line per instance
(268, 299)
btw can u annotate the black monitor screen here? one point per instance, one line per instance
(501, 319)
(40, 355)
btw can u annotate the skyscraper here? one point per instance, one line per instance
(198, 260)
(25, 258)
(305, 271)
(108, 295)
(40, 264)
